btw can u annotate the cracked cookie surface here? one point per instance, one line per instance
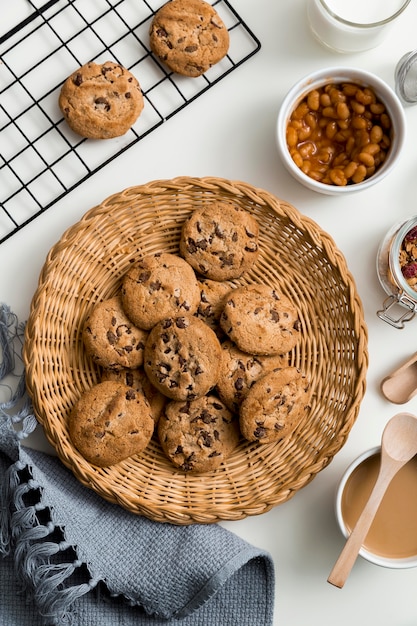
(182, 357)
(213, 296)
(260, 320)
(101, 101)
(110, 422)
(188, 36)
(274, 405)
(159, 286)
(240, 370)
(137, 380)
(220, 241)
(111, 339)
(198, 435)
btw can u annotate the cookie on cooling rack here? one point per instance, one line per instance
(220, 241)
(111, 339)
(182, 357)
(101, 101)
(110, 422)
(240, 370)
(260, 320)
(274, 405)
(137, 380)
(188, 36)
(159, 286)
(197, 436)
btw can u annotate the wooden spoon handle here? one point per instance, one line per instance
(348, 555)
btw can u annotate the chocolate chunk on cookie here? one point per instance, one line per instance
(110, 422)
(159, 286)
(275, 405)
(198, 435)
(188, 36)
(220, 241)
(213, 296)
(111, 339)
(260, 320)
(182, 357)
(101, 101)
(138, 380)
(239, 371)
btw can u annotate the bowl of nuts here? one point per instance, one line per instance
(340, 130)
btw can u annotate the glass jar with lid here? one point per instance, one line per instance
(397, 273)
(406, 78)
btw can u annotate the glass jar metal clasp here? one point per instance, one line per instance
(398, 301)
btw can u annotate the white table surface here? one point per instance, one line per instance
(229, 132)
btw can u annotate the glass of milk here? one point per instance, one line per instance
(352, 25)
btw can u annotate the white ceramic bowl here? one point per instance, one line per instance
(336, 75)
(377, 559)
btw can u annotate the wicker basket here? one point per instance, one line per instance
(86, 266)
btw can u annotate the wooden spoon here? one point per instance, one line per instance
(401, 385)
(398, 446)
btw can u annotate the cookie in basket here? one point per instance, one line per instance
(260, 320)
(182, 357)
(110, 422)
(101, 101)
(220, 241)
(188, 36)
(240, 370)
(111, 339)
(213, 294)
(198, 435)
(138, 380)
(159, 286)
(274, 405)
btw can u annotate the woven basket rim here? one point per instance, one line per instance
(107, 483)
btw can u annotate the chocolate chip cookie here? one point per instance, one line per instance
(110, 422)
(275, 405)
(239, 371)
(137, 380)
(188, 36)
(182, 357)
(220, 241)
(111, 339)
(213, 296)
(159, 286)
(260, 320)
(198, 435)
(101, 101)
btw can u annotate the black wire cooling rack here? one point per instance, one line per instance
(41, 159)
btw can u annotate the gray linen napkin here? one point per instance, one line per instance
(69, 557)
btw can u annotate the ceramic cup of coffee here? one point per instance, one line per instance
(392, 538)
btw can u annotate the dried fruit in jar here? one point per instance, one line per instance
(408, 257)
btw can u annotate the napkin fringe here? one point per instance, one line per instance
(9, 483)
(44, 562)
(47, 567)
